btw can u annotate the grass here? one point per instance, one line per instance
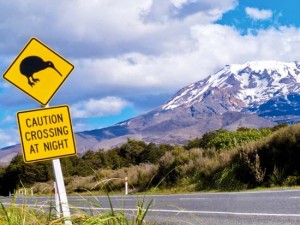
(25, 214)
(20, 215)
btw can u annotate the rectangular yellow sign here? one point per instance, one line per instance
(46, 133)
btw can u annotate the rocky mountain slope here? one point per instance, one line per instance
(255, 94)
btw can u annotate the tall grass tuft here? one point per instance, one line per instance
(21, 215)
(24, 214)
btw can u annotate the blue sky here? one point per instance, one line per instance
(264, 14)
(132, 56)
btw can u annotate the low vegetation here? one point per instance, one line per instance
(219, 160)
(17, 214)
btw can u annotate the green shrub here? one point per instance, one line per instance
(277, 177)
(227, 179)
(291, 181)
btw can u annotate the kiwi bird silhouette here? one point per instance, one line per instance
(33, 64)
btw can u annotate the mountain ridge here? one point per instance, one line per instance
(254, 94)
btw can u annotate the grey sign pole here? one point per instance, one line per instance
(61, 189)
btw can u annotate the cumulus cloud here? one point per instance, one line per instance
(98, 107)
(80, 28)
(258, 14)
(117, 53)
(204, 11)
(206, 49)
(134, 49)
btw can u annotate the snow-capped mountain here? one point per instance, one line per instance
(246, 85)
(255, 94)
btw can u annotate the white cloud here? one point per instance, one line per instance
(4, 85)
(8, 119)
(9, 137)
(203, 11)
(77, 127)
(258, 14)
(80, 28)
(116, 54)
(134, 48)
(98, 107)
(205, 49)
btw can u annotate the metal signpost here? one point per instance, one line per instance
(45, 133)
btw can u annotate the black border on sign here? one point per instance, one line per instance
(48, 158)
(42, 103)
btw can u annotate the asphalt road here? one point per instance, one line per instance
(255, 208)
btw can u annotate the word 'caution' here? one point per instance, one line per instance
(46, 133)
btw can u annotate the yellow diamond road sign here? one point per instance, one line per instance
(46, 133)
(38, 71)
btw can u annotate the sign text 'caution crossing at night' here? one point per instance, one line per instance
(46, 133)
(38, 71)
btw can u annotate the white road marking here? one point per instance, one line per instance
(188, 199)
(200, 212)
(175, 211)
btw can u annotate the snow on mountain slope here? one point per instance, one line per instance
(251, 84)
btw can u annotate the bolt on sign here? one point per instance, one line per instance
(46, 133)
(38, 71)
